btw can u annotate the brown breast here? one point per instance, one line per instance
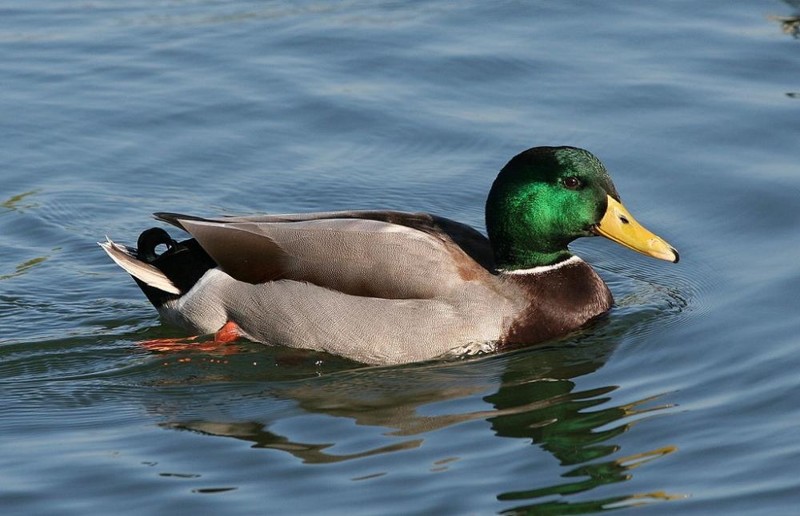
(556, 302)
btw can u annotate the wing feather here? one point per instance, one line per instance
(471, 241)
(354, 255)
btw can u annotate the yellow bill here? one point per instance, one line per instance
(619, 225)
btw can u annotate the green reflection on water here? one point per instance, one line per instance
(23, 267)
(564, 422)
(18, 202)
(536, 400)
(21, 202)
(596, 475)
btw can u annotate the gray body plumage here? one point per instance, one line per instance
(376, 287)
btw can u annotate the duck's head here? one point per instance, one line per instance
(546, 197)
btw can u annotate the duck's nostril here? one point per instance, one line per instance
(624, 219)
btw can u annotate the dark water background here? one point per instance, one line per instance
(683, 401)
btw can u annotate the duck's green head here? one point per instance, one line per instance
(546, 197)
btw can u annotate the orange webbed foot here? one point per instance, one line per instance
(222, 338)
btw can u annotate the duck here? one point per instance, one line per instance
(393, 287)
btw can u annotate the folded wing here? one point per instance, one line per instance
(376, 254)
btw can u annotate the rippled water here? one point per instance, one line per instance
(681, 401)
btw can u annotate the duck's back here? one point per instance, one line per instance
(388, 255)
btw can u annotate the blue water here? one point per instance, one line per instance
(683, 401)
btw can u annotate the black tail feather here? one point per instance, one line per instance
(184, 263)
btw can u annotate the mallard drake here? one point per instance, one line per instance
(388, 287)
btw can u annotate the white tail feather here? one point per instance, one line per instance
(139, 269)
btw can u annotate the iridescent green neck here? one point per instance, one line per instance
(532, 260)
(520, 222)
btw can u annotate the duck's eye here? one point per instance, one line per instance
(572, 182)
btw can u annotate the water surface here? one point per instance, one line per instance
(681, 401)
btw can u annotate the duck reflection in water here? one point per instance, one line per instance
(537, 399)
